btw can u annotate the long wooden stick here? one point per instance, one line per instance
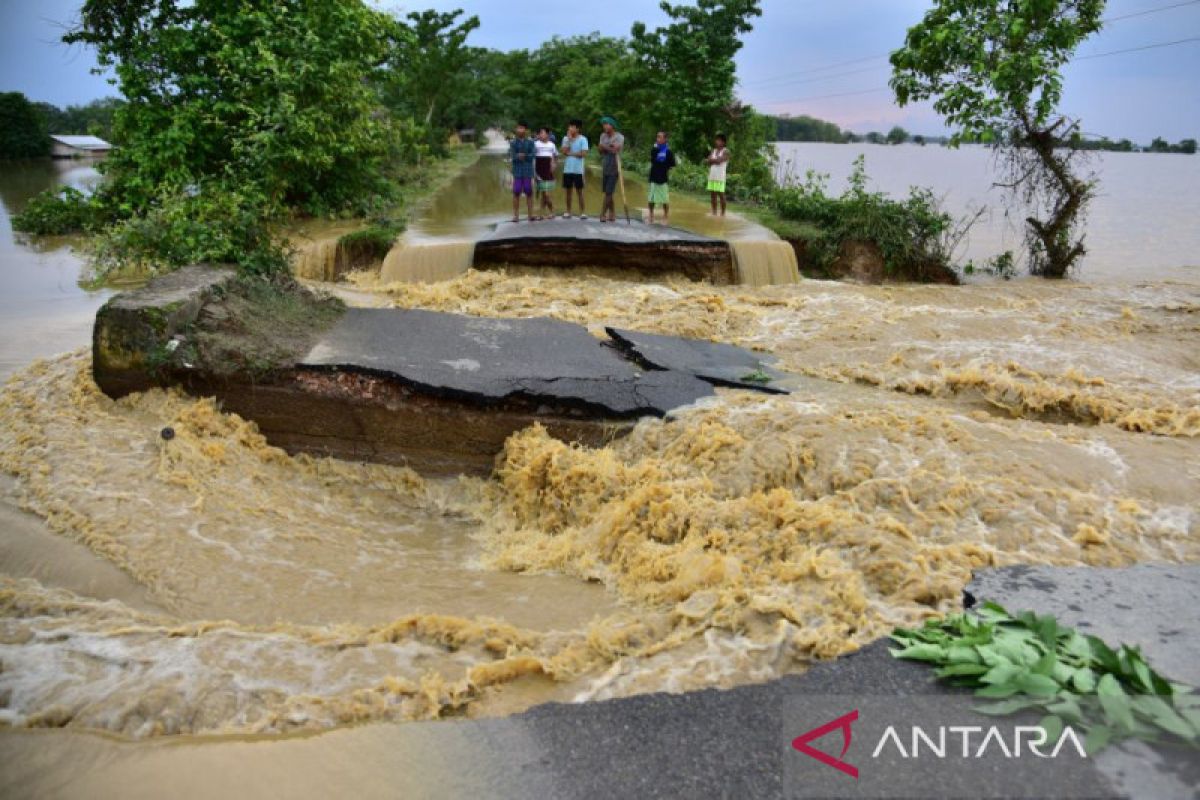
(621, 180)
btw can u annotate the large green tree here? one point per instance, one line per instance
(993, 69)
(430, 71)
(22, 128)
(269, 95)
(689, 63)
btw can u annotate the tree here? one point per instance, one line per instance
(1159, 145)
(919, 139)
(691, 62)
(804, 128)
(261, 97)
(993, 69)
(897, 135)
(22, 128)
(429, 68)
(1188, 146)
(875, 137)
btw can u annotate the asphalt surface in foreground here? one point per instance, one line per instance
(735, 743)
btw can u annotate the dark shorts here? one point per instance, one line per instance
(610, 184)
(522, 186)
(572, 180)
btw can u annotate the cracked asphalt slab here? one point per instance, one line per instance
(486, 360)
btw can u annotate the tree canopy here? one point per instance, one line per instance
(22, 128)
(993, 69)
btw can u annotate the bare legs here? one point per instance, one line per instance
(517, 207)
(717, 197)
(580, 193)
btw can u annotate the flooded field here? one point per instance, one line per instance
(211, 584)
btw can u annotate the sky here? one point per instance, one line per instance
(812, 57)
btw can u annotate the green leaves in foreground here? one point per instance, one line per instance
(1030, 663)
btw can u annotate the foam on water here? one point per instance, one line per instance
(741, 540)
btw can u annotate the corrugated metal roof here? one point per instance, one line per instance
(82, 142)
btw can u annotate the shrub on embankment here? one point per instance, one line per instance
(914, 237)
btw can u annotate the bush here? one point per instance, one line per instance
(57, 212)
(213, 225)
(917, 238)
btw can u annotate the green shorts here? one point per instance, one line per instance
(660, 194)
(716, 186)
(545, 186)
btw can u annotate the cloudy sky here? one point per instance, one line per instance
(804, 57)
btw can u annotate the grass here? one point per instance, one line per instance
(256, 326)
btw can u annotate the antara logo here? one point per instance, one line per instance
(843, 722)
(938, 744)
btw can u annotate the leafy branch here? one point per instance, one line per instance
(1028, 662)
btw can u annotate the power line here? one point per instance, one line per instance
(1079, 58)
(826, 96)
(821, 78)
(1137, 49)
(823, 69)
(784, 79)
(1150, 11)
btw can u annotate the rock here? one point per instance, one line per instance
(720, 364)
(133, 328)
(652, 250)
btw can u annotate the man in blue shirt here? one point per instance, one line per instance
(521, 153)
(575, 148)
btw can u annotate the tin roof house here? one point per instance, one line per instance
(78, 146)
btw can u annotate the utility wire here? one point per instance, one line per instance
(784, 79)
(1079, 58)
(1137, 49)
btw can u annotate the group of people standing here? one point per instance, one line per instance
(535, 164)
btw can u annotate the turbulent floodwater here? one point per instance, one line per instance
(937, 430)
(212, 584)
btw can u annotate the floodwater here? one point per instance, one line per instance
(215, 592)
(43, 310)
(439, 245)
(1142, 222)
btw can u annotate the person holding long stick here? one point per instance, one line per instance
(611, 145)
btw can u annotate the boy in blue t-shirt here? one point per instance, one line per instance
(521, 152)
(575, 148)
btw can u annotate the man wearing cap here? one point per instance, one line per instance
(611, 145)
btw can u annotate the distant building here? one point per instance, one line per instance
(78, 146)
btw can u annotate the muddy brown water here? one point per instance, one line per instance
(215, 593)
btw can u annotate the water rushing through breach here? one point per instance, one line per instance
(440, 244)
(213, 584)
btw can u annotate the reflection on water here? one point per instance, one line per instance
(482, 196)
(1142, 225)
(43, 308)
